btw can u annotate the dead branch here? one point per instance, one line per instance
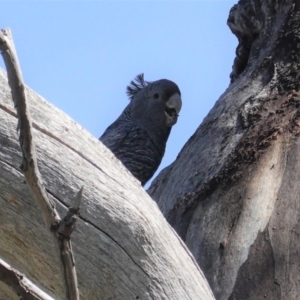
(22, 286)
(30, 166)
(29, 163)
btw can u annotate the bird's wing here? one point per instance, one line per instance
(134, 148)
(115, 135)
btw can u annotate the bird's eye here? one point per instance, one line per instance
(156, 96)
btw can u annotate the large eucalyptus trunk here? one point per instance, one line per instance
(233, 192)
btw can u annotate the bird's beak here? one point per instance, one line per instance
(173, 107)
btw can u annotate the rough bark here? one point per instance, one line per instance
(124, 248)
(233, 192)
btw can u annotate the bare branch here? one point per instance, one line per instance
(21, 285)
(31, 171)
(69, 268)
(29, 164)
(66, 227)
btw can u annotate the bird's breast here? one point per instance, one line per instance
(140, 154)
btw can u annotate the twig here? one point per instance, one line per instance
(65, 229)
(61, 229)
(29, 164)
(24, 288)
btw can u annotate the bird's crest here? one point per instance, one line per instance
(136, 85)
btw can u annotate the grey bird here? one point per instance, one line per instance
(138, 137)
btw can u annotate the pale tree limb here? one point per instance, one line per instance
(29, 164)
(124, 248)
(61, 228)
(21, 285)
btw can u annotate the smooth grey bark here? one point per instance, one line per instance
(123, 246)
(233, 192)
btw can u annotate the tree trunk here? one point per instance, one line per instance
(233, 192)
(124, 248)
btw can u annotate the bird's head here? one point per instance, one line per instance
(155, 104)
